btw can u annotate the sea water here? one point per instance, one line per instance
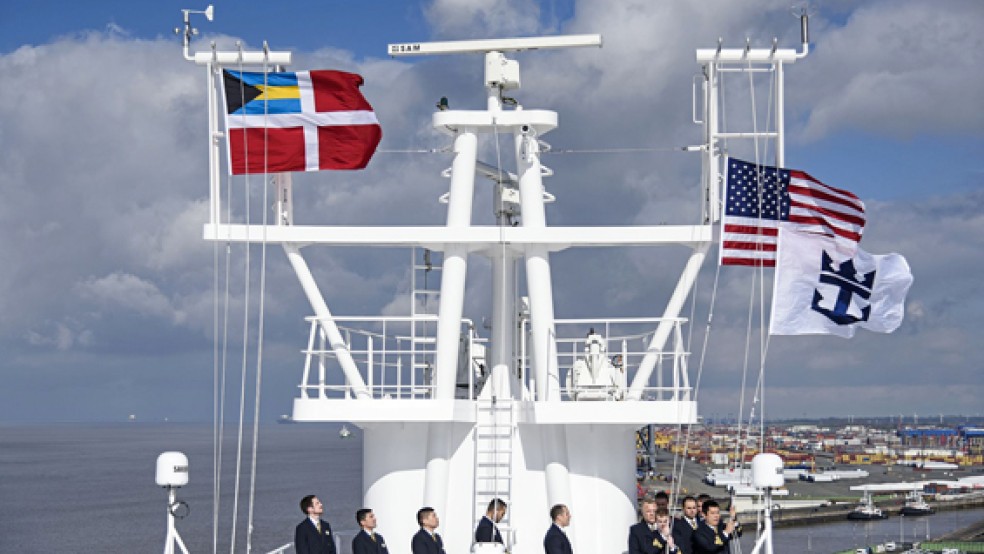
(846, 535)
(90, 488)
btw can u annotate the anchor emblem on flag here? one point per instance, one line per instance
(850, 285)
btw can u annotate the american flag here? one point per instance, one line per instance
(762, 199)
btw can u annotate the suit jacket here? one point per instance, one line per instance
(556, 542)
(424, 543)
(708, 540)
(643, 540)
(307, 539)
(362, 543)
(683, 535)
(487, 531)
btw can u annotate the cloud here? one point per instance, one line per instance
(62, 335)
(164, 235)
(459, 19)
(897, 398)
(897, 69)
(105, 191)
(132, 293)
(95, 170)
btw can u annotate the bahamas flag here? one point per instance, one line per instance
(300, 121)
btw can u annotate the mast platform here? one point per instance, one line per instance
(631, 413)
(476, 238)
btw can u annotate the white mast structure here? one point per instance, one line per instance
(766, 467)
(447, 425)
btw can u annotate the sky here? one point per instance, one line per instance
(106, 286)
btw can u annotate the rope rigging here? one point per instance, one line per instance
(221, 351)
(243, 366)
(757, 287)
(260, 326)
(220, 362)
(757, 395)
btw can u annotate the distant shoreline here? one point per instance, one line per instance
(824, 514)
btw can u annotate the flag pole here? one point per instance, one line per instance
(214, 60)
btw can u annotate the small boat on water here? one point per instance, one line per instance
(915, 505)
(866, 510)
(866, 513)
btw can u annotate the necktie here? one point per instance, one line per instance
(372, 536)
(693, 523)
(318, 526)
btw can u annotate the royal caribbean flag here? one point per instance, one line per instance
(301, 121)
(821, 289)
(759, 200)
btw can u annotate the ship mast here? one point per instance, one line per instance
(557, 438)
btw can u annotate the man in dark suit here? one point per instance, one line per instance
(488, 530)
(684, 526)
(662, 500)
(712, 535)
(367, 541)
(641, 534)
(556, 541)
(701, 498)
(664, 541)
(427, 541)
(652, 535)
(313, 535)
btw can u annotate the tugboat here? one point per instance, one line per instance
(866, 510)
(915, 505)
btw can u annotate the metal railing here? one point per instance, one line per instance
(627, 342)
(394, 355)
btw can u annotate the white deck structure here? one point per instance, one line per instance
(452, 419)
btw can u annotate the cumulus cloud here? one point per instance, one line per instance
(132, 293)
(105, 186)
(92, 167)
(902, 68)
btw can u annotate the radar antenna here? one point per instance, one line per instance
(172, 474)
(501, 73)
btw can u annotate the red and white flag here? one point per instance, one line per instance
(759, 200)
(300, 121)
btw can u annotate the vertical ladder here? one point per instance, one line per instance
(425, 291)
(495, 430)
